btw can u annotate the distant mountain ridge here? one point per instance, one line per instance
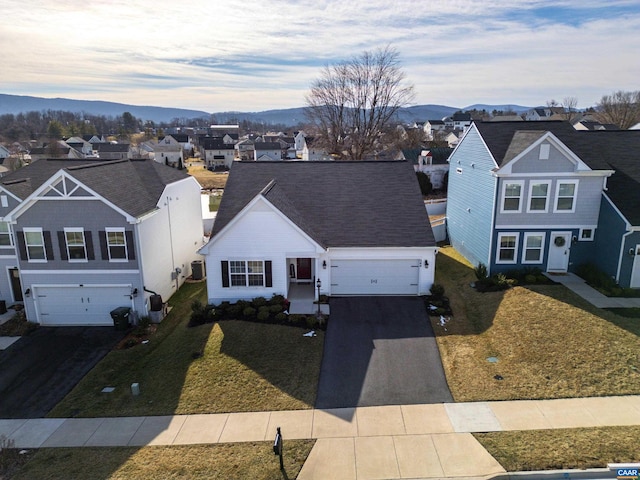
(15, 104)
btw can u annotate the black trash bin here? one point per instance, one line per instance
(120, 317)
(3, 307)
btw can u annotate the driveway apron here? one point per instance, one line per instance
(380, 351)
(38, 370)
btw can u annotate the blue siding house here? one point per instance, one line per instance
(541, 194)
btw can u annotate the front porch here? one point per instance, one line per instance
(302, 297)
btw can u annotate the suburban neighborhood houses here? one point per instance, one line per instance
(267, 285)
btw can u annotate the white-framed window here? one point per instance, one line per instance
(512, 196)
(34, 243)
(566, 194)
(246, 273)
(507, 247)
(586, 234)
(76, 248)
(116, 244)
(539, 196)
(6, 238)
(533, 250)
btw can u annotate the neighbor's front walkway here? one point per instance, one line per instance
(591, 295)
(408, 441)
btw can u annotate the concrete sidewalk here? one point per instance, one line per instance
(591, 295)
(408, 441)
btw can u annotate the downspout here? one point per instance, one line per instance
(140, 260)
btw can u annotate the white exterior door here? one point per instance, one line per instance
(559, 249)
(75, 305)
(635, 273)
(375, 277)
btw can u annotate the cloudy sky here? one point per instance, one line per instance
(253, 55)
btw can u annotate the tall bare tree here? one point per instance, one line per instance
(570, 106)
(354, 102)
(620, 108)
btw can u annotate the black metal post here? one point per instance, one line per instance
(277, 447)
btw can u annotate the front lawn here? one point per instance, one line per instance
(230, 366)
(543, 341)
(563, 448)
(210, 462)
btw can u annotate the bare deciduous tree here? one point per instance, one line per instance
(570, 106)
(620, 108)
(354, 102)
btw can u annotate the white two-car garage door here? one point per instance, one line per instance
(375, 277)
(76, 305)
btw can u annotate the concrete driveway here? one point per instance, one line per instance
(380, 351)
(38, 370)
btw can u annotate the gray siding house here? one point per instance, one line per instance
(82, 237)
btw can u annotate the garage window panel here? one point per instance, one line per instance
(34, 243)
(76, 248)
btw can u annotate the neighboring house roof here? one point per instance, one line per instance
(412, 154)
(215, 143)
(112, 147)
(268, 146)
(440, 155)
(499, 135)
(600, 150)
(338, 204)
(135, 186)
(436, 122)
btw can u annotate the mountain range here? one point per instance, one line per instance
(14, 104)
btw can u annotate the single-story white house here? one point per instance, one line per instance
(353, 228)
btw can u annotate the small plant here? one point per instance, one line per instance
(530, 279)
(437, 290)
(258, 302)
(481, 271)
(281, 317)
(249, 313)
(275, 309)
(277, 300)
(263, 314)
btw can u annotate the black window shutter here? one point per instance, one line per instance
(22, 246)
(267, 274)
(103, 245)
(48, 246)
(131, 248)
(88, 239)
(225, 273)
(62, 242)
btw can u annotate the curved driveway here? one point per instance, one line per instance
(380, 351)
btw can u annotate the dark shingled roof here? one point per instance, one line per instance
(617, 150)
(135, 186)
(338, 204)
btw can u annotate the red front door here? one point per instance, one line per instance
(304, 268)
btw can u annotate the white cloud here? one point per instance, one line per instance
(254, 55)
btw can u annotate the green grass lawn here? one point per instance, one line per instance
(549, 342)
(214, 202)
(210, 462)
(231, 366)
